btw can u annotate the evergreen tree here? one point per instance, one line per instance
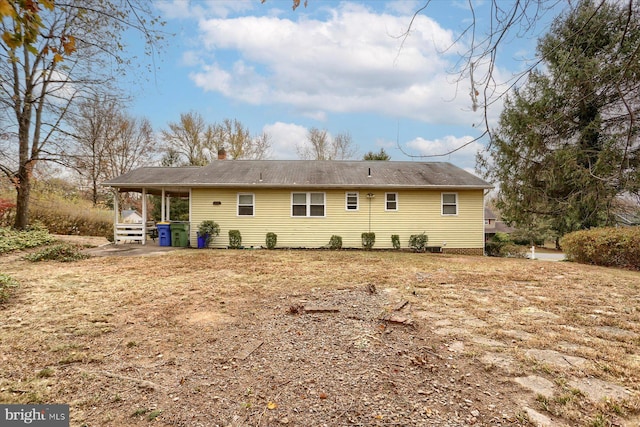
(566, 145)
(380, 155)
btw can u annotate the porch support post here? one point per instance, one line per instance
(116, 216)
(162, 207)
(144, 216)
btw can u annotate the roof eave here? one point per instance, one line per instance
(298, 185)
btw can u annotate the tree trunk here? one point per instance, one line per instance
(22, 180)
(94, 194)
(23, 190)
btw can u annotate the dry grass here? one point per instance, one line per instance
(124, 340)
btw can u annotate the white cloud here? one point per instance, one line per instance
(187, 9)
(404, 7)
(464, 156)
(175, 9)
(285, 137)
(350, 62)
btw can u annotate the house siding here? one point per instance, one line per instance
(418, 211)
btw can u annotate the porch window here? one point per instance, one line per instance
(352, 201)
(307, 204)
(449, 203)
(391, 201)
(245, 204)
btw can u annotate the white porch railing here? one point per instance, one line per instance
(128, 233)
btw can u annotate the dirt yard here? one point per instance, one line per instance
(320, 338)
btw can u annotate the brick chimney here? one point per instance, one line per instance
(222, 155)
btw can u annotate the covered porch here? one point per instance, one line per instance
(145, 230)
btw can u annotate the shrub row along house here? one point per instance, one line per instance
(306, 202)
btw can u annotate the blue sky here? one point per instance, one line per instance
(333, 65)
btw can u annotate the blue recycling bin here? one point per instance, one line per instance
(164, 233)
(202, 241)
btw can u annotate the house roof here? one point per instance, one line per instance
(302, 174)
(488, 214)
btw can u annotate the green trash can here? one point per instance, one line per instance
(180, 234)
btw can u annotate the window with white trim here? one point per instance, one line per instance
(245, 204)
(307, 204)
(351, 201)
(390, 201)
(449, 203)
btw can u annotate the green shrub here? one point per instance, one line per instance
(208, 228)
(368, 240)
(14, 240)
(395, 241)
(418, 242)
(335, 242)
(527, 239)
(271, 240)
(608, 246)
(235, 239)
(7, 283)
(62, 252)
(501, 245)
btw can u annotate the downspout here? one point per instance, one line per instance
(370, 196)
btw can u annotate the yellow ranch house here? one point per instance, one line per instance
(305, 202)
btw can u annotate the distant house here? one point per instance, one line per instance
(493, 226)
(131, 217)
(306, 202)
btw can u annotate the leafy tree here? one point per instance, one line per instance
(52, 55)
(238, 143)
(567, 144)
(380, 155)
(194, 142)
(320, 146)
(191, 140)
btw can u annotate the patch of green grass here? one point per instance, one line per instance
(522, 418)
(154, 414)
(151, 414)
(564, 398)
(14, 240)
(7, 284)
(45, 373)
(544, 402)
(61, 252)
(72, 357)
(599, 421)
(139, 411)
